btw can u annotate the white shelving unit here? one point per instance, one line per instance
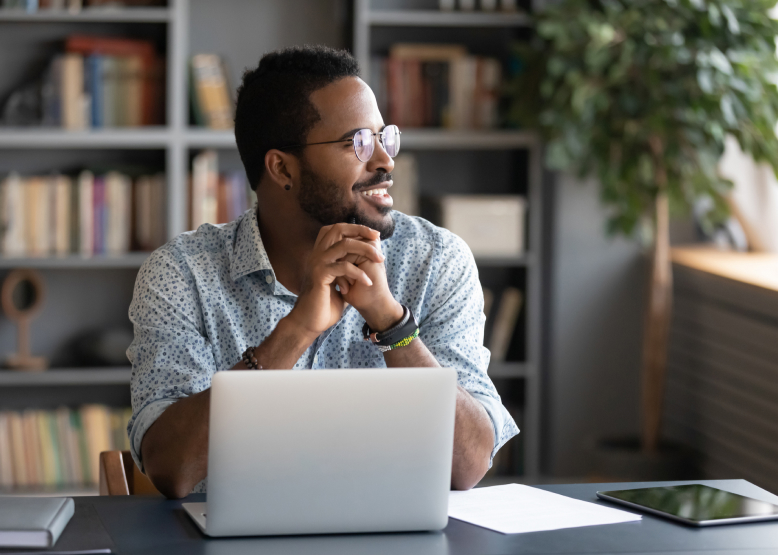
(176, 139)
(366, 20)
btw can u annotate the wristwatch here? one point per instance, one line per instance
(398, 336)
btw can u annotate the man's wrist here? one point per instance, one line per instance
(290, 326)
(387, 317)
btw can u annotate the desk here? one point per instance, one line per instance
(157, 526)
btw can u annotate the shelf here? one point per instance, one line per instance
(110, 14)
(66, 377)
(416, 139)
(52, 491)
(129, 260)
(510, 370)
(475, 139)
(37, 137)
(210, 138)
(506, 261)
(434, 18)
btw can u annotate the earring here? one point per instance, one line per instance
(287, 187)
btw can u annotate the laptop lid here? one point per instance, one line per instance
(330, 451)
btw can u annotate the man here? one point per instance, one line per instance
(293, 284)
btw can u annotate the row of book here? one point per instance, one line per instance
(216, 198)
(88, 214)
(32, 6)
(437, 85)
(50, 448)
(103, 82)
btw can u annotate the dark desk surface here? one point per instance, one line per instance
(154, 525)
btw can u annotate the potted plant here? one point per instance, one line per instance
(641, 94)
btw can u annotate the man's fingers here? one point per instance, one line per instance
(337, 232)
(347, 246)
(347, 270)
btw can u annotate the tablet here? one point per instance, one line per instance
(694, 504)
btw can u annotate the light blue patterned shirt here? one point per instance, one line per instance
(209, 294)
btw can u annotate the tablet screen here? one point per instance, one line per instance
(696, 502)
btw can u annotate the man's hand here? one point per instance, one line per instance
(375, 303)
(320, 305)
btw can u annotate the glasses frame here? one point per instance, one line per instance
(353, 141)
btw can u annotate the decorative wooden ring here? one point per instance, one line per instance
(6, 294)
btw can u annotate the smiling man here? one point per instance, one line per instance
(300, 283)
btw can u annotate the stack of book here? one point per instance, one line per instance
(437, 85)
(49, 448)
(216, 198)
(90, 214)
(104, 82)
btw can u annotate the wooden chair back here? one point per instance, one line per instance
(120, 476)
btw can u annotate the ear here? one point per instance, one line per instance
(282, 168)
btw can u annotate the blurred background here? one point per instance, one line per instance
(116, 136)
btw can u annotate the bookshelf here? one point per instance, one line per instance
(92, 293)
(515, 153)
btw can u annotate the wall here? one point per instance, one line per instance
(596, 296)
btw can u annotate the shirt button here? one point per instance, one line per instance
(269, 278)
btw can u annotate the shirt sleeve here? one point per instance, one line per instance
(170, 355)
(453, 330)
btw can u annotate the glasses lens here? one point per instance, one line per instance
(363, 144)
(391, 140)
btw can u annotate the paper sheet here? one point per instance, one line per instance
(515, 509)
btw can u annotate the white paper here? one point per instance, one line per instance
(515, 509)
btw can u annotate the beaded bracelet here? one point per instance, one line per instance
(406, 341)
(250, 360)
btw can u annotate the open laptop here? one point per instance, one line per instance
(328, 451)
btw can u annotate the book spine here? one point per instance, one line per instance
(86, 213)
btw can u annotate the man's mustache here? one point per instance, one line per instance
(373, 181)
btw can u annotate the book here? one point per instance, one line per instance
(116, 210)
(505, 323)
(14, 237)
(61, 233)
(33, 521)
(73, 100)
(204, 190)
(6, 459)
(211, 98)
(86, 213)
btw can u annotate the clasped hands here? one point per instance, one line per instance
(347, 256)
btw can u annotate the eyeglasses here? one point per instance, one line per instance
(364, 142)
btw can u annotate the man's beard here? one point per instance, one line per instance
(323, 200)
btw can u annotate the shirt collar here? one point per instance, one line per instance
(248, 253)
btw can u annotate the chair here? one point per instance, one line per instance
(120, 476)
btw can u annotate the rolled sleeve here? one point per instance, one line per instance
(453, 331)
(171, 358)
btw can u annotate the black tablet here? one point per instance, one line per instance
(694, 504)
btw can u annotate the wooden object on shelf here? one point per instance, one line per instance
(120, 476)
(23, 359)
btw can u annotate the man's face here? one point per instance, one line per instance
(333, 181)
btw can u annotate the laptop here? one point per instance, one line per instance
(328, 451)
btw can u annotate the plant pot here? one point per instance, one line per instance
(623, 460)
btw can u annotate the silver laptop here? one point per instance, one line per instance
(328, 451)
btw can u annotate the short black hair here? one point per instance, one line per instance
(274, 108)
